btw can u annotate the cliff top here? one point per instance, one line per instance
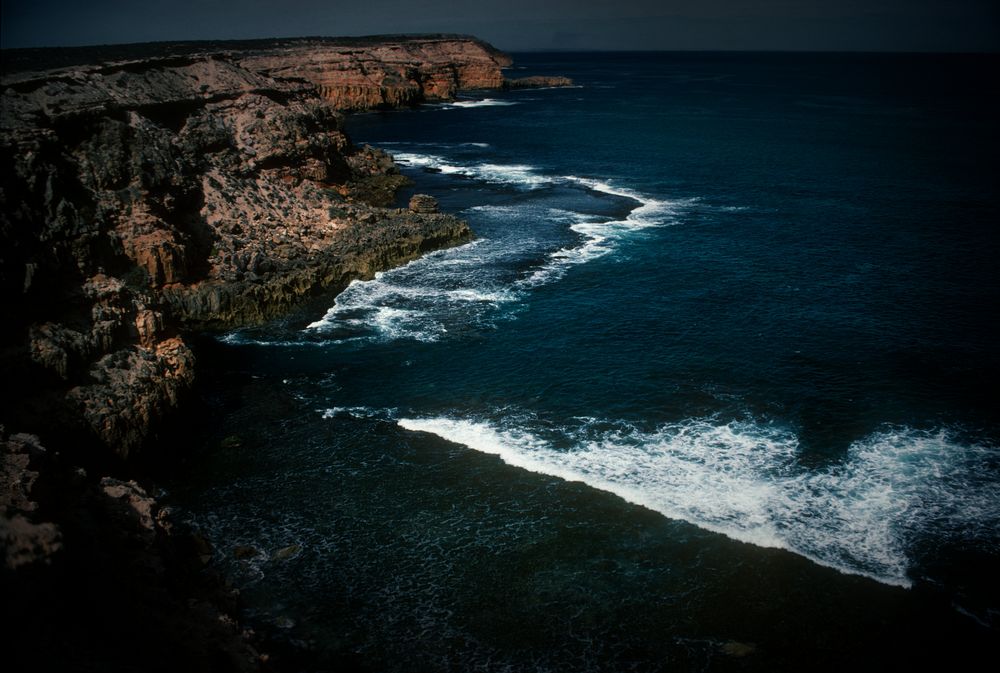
(39, 59)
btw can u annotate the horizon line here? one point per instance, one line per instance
(522, 50)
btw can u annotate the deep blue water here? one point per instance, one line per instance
(714, 388)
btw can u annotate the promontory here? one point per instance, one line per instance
(150, 192)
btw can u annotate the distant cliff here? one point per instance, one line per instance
(351, 73)
(393, 73)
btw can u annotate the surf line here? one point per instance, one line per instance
(376, 302)
(741, 480)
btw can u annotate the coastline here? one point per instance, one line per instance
(303, 473)
(147, 200)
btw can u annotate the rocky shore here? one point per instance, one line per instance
(149, 194)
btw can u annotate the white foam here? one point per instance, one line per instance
(599, 236)
(485, 102)
(743, 480)
(551, 88)
(515, 174)
(519, 175)
(240, 338)
(358, 412)
(382, 143)
(650, 212)
(419, 160)
(420, 300)
(397, 323)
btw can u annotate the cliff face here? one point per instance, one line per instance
(144, 197)
(171, 188)
(390, 74)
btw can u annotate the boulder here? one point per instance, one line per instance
(422, 203)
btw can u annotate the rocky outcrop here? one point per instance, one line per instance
(536, 82)
(95, 575)
(190, 186)
(351, 73)
(23, 541)
(145, 198)
(141, 200)
(422, 203)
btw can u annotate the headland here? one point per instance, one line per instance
(151, 192)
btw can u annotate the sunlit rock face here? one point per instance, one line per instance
(145, 197)
(393, 73)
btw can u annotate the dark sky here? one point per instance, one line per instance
(513, 25)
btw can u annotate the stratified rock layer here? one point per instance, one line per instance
(391, 73)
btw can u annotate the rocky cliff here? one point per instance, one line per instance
(351, 73)
(144, 197)
(148, 191)
(392, 73)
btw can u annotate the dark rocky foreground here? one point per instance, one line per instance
(106, 581)
(167, 191)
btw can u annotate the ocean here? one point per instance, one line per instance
(714, 387)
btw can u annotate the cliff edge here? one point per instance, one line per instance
(145, 197)
(389, 74)
(149, 191)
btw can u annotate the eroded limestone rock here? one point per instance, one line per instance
(422, 203)
(142, 199)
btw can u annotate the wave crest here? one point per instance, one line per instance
(743, 480)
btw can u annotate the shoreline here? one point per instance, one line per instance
(357, 399)
(146, 201)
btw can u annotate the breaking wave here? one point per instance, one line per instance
(485, 102)
(438, 294)
(508, 174)
(860, 515)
